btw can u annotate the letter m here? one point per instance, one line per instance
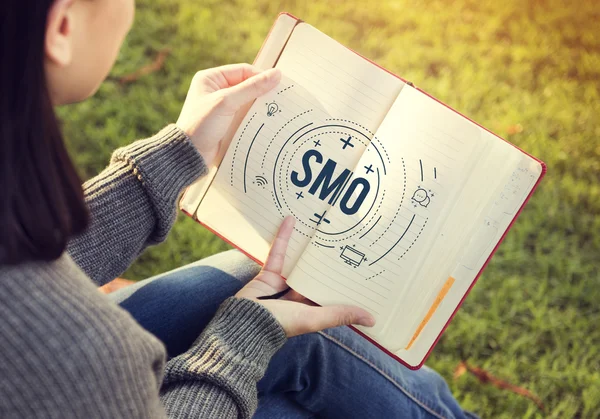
(324, 180)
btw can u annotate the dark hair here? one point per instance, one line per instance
(41, 198)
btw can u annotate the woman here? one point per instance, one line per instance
(68, 351)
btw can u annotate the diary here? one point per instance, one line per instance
(399, 200)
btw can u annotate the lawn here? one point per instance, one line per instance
(530, 71)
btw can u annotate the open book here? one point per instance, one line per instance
(399, 200)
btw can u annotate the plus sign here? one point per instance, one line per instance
(369, 168)
(321, 218)
(299, 195)
(317, 143)
(347, 142)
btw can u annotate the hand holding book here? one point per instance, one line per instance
(214, 97)
(296, 314)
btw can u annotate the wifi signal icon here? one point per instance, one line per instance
(260, 180)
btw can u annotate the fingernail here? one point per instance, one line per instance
(273, 75)
(368, 321)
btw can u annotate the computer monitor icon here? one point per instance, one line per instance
(352, 256)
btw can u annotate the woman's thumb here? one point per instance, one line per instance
(251, 88)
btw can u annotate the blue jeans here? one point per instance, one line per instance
(334, 373)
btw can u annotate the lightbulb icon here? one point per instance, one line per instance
(272, 108)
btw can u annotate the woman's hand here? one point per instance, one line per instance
(296, 314)
(215, 96)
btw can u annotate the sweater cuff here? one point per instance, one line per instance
(164, 165)
(231, 355)
(249, 328)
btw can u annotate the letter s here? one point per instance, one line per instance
(306, 165)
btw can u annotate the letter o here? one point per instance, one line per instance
(359, 199)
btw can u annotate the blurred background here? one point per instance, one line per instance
(527, 70)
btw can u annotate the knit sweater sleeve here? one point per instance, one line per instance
(217, 377)
(67, 351)
(132, 205)
(132, 202)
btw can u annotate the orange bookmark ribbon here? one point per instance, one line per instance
(440, 297)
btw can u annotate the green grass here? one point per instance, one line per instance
(533, 318)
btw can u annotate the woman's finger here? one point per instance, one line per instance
(248, 90)
(227, 75)
(237, 73)
(320, 318)
(276, 258)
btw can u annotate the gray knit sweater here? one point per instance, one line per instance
(67, 351)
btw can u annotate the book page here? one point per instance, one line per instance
(519, 176)
(329, 96)
(399, 195)
(424, 207)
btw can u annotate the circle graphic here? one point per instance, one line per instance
(329, 176)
